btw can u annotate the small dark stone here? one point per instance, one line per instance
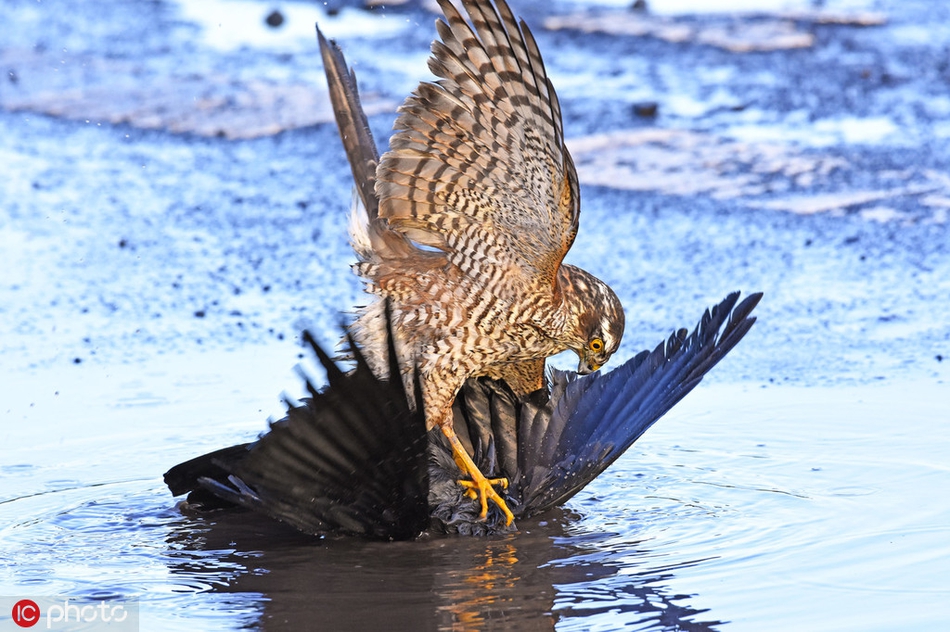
(646, 109)
(200, 313)
(123, 243)
(275, 19)
(303, 204)
(77, 360)
(807, 242)
(939, 357)
(639, 5)
(266, 289)
(12, 76)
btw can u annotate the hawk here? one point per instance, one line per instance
(462, 226)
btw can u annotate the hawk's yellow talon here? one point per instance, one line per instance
(479, 487)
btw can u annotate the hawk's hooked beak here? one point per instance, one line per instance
(585, 366)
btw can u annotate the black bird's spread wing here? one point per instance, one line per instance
(597, 417)
(352, 459)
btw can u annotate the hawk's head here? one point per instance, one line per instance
(595, 319)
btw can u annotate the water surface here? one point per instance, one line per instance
(748, 507)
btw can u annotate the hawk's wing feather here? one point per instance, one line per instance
(477, 166)
(357, 139)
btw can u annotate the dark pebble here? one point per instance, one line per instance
(647, 109)
(275, 19)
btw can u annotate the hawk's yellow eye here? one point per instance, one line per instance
(596, 345)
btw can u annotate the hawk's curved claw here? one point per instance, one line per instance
(479, 487)
(483, 490)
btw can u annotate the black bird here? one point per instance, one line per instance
(356, 459)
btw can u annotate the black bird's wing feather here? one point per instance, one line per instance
(352, 459)
(599, 416)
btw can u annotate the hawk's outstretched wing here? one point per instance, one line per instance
(351, 121)
(478, 167)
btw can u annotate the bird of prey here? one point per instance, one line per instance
(463, 224)
(359, 457)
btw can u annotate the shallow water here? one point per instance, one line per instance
(173, 215)
(766, 506)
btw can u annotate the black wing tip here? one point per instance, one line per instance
(183, 478)
(743, 309)
(334, 373)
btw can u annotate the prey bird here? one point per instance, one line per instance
(355, 459)
(462, 226)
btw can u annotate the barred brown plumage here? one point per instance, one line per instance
(470, 215)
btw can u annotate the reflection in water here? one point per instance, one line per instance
(535, 579)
